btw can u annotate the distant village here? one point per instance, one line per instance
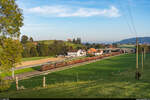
(98, 52)
(94, 51)
(70, 48)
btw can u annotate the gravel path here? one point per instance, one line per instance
(38, 73)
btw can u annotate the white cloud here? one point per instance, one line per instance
(63, 11)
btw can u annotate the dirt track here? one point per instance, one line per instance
(29, 63)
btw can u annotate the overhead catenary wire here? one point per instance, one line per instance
(133, 25)
(137, 44)
(131, 17)
(125, 17)
(135, 32)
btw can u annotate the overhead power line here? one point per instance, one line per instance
(137, 74)
(131, 17)
(134, 29)
(125, 17)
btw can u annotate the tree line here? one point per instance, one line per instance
(33, 48)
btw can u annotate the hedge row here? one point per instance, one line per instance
(62, 64)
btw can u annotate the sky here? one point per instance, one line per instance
(91, 20)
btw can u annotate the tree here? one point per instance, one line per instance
(69, 48)
(87, 45)
(148, 49)
(115, 45)
(26, 53)
(33, 52)
(58, 48)
(74, 40)
(10, 55)
(12, 52)
(93, 45)
(78, 41)
(31, 39)
(11, 20)
(42, 49)
(26, 49)
(24, 39)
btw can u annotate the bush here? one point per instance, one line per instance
(4, 84)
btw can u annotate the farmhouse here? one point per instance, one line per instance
(95, 52)
(92, 50)
(128, 50)
(76, 53)
(98, 52)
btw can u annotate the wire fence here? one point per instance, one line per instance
(72, 75)
(44, 80)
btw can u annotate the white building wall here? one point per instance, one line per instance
(81, 53)
(98, 53)
(72, 54)
(78, 53)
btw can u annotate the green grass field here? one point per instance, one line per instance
(109, 78)
(20, 71)
(26, 69)
(33, 58)
(126, 46)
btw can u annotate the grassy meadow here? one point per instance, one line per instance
(20, 71)
(126, 46)
(33, 58)
(109, 78)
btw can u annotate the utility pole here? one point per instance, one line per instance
(142, 58)
(137, 74)
(144, 54)
(137, 55)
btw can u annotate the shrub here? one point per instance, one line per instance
(4, 84)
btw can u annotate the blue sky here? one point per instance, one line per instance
(92, 20)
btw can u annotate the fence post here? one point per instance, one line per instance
(17, 83)
(44, 81)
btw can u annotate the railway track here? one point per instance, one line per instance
(27, 75)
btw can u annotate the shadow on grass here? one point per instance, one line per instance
(108, 78)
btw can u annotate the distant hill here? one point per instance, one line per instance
(142, 40)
